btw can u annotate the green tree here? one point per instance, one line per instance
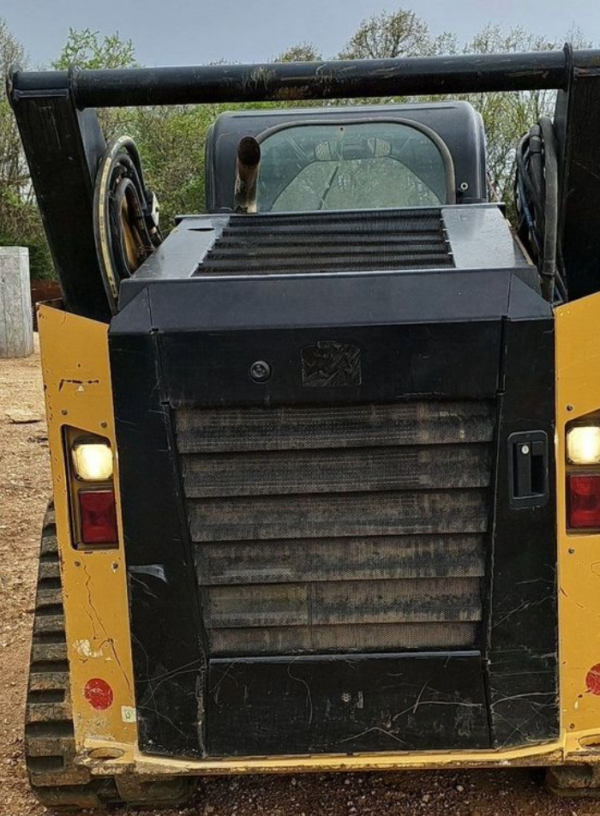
(13, 175)
(20, 223)
(88, 49)
(302, 52)
(398, 34)
(171, 141)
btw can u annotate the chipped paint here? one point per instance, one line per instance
(84, 649)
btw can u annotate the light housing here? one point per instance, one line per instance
(583, 500)
(92, 460)
(583, 445)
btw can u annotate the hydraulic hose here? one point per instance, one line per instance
(536, 193)
(126, 228)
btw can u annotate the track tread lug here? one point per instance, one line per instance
(42, 652)
(49, 570)
(49, 681)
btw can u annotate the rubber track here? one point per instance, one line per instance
(49, 737)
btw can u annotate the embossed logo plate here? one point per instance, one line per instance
(330, 364)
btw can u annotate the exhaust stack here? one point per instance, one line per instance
(246, 175)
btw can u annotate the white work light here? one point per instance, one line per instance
(93, 461)
(583, 445)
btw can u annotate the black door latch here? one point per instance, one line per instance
(528, 469)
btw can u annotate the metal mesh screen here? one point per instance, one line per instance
(330, 242)
(350, 528)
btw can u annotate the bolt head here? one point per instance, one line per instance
(260, 371)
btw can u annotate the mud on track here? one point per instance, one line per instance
(24, 492)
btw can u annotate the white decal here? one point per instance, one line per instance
(128, 714)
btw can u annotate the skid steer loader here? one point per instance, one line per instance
(326, 461)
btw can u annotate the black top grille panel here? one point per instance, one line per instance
(330, 242)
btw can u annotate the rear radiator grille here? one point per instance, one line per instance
(339, 529)
(330, 242)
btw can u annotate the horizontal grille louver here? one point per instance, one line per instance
(351, 528)
(330, 242)
(309, 516)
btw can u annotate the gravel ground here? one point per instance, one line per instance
(24, 491)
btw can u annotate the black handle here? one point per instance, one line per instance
(528, 468)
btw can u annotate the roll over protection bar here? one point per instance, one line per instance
(308, 80)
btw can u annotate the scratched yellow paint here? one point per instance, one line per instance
(578, 394)
(78, 393)
(132, 760)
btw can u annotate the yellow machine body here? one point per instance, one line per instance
(77, 381)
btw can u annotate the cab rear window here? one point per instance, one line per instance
(350, 166)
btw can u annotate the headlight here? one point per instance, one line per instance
(583, 445)
(93, 461)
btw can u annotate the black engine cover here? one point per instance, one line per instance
(317, 343)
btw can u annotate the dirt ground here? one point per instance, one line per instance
(24, 490)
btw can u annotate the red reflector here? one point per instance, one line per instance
(98, 693)
(592, 680)
(583, 493)
(98, 516)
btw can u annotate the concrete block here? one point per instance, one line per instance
(16, 323)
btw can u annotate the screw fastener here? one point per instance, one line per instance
(260, 371)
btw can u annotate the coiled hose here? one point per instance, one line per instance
(126, 228)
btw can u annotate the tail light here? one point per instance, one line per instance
(98, 516)
(583, 500)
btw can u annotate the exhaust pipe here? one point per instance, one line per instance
(246, 175)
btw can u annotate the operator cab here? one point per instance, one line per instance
(352, 158)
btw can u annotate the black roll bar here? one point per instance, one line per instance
(307, 80)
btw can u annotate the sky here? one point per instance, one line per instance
(187, 32)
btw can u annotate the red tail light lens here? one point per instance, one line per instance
(98, 516)
(583, 495)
